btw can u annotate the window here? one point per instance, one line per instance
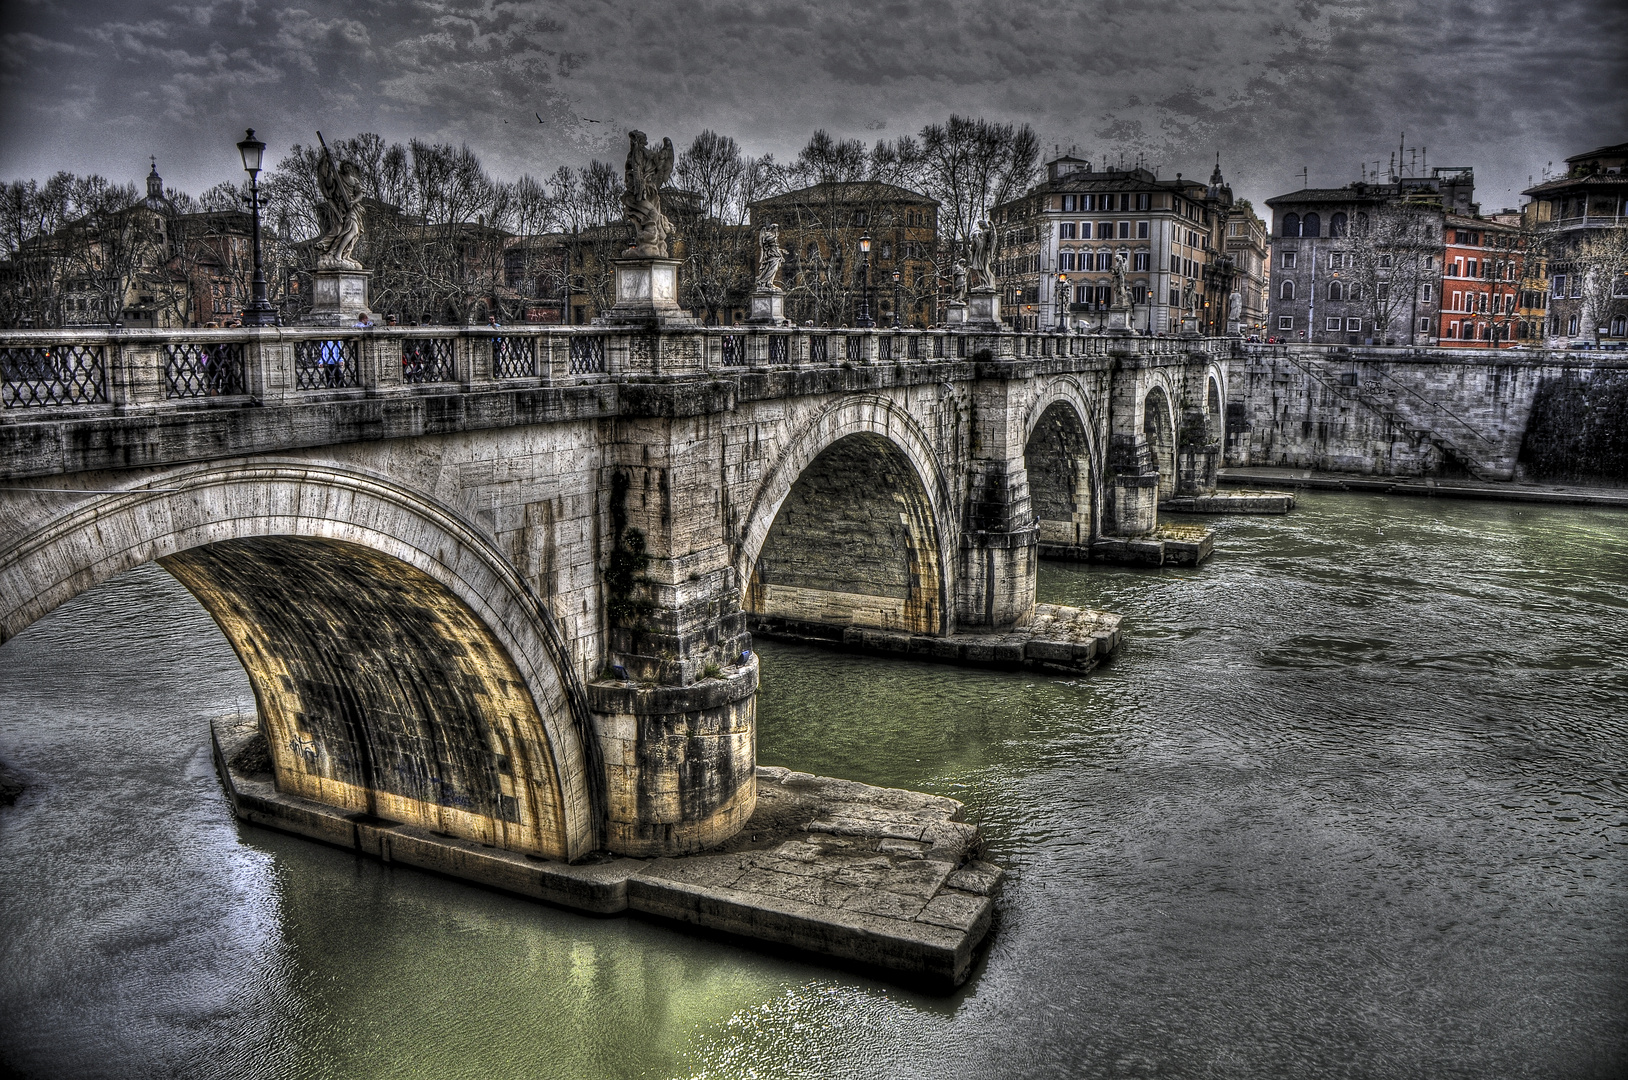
(1141, 230)
(1353, 326)
(1471, 266)
(1557, 287)
(1286, 291)
(1291, 224)
(1065, 231)
(1085, 230)
(1576, 287)
(861, 217)
(1481, 303)
(1175, 298)
(1288, 260)
(1311, 225)
(1232, 229)
(1336, 225)
(1068, 204)
(1336, 291)
(1458, 302)
(1144, 201)
(1105, 229)
(1429, 292)
(1139, 294)
(887, 250)
(1285, 322)
(1384, 290)
(1452, 329)
(1065, 260)
(1124, 230)
(1384, 262)
(1141, 263)
(1086, 203)
(1424, 325)
(1331, 324)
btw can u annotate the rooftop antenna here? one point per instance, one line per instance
(1305, 177)
(1391, 172)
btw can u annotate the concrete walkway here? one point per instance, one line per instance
(1577, 495)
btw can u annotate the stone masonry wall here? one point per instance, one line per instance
(1387, 412)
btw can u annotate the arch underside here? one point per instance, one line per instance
(1159, 425)
(854, 543)
(379, 691)
(1057, 458)
(401, 666)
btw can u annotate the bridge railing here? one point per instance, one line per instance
(110, 368)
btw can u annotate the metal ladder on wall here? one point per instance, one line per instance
(1446, 431)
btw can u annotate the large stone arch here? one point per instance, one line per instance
(1063, 465)
(1215, 399)
(876, 436)
(1159, 426)
(401, 665)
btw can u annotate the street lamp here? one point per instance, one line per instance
(896, 323)
(864, 318)
(1062, 302)
(259, 312)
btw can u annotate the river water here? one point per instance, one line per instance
(1353, 801)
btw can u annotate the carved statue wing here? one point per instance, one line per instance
(662, 165)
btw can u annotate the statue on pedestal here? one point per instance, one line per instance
(983, 254)
(769, 258)
(1122, 291)
(646, 171)
(1235, 306)
(339, 212)
(958, 290)
(1189, 301)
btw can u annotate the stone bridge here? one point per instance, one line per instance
(500, 583)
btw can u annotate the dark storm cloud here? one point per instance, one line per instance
(1273, 85)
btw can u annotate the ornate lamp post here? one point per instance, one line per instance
(1062, 302)
(259, 312)
(864, 318)
(896, 323)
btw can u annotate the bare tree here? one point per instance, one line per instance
(1600, 259)
(970, 165)
(1390, 250)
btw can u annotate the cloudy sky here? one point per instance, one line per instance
(1505, 86)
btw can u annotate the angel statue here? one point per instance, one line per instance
(1189, 299)
(646, 172)
(340, 211)
(959, 277)
(1122, 291)
(983, 254)
(769, 258)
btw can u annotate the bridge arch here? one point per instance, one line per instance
(850, 525)
(1159, 426)
(1061, 459)
(401, 666)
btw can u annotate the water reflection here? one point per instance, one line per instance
(1351, 802)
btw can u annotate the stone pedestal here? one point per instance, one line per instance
(984, 308)
(337, 297)
(767, 307)
(646, 292)
(1119, 322)
(955, 313)
(1189, 326)
(1235, 328)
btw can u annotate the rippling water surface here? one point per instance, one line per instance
(1353, 801)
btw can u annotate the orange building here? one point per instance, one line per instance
(1482, 273)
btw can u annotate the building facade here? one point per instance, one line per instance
(1058, 242)
(828, 280)
(1249, 248)
(1483, 269)
(1581, 221)
(1361, 264)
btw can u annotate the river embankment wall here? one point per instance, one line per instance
(1523, 415)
